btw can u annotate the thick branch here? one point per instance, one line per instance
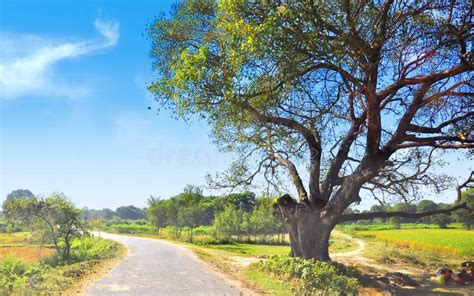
(311, 137)
(332, 177)
(469, 183)
(295, 177)
(430, 79)
(368, 216)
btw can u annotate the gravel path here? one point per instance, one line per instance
(154, 267)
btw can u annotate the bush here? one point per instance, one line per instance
(93, 248)
(85, 249)
(12, 274)
(131, 228)
(315, 277)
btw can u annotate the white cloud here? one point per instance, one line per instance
(27, 62)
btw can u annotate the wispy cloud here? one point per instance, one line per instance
(27, 62)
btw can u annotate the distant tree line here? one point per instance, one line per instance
(125, 212)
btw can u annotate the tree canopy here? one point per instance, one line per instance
(344, 97)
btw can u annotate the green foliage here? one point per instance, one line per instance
(189, 209)
(316, 277)
(93, 248)
(130, 228)
(131, 212)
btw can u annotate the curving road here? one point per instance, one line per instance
(155, 267)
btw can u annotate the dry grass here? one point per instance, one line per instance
(30, 254)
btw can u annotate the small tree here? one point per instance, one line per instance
(466, 216)
(157, 212)
(54, 218)
(425, 206)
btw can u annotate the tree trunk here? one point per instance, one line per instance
(309, 229)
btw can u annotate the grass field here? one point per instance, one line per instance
(446, 241)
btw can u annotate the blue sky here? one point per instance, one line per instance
(74, 112)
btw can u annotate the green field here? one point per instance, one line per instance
(446, 241)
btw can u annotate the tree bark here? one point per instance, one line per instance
(309, 229)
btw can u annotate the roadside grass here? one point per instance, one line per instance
(456, 242)
(260, 251)
(267, 282)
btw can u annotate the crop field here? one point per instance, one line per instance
(19, 238)
(446, 241)
(387, 226)
(19, 245)
(29, 254)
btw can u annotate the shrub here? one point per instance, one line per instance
(132, 228)
(93, 248)
(12, 274)
(85, 249)
(315, 277)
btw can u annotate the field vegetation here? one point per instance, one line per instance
(446, 241)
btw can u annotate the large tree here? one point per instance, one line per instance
(345, 97)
